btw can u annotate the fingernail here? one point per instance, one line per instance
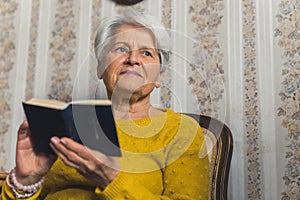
(63, 141)
(25, 122)
(54, 140)
(51, 145)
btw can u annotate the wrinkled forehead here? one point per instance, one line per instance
(135, 36)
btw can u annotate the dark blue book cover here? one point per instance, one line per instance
(90, 123)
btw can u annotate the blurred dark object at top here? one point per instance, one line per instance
(127, 2)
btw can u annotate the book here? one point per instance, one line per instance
(88, 122)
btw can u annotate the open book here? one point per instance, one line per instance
(89, 122)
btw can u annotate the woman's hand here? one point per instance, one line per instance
(30, 166)
(91, 164)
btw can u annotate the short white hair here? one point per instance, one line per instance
(129, 16)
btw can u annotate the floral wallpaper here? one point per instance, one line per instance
(32, 49)
(96, 15)
(207, 69)
(96, 19)
(251, 100)
(8, 10)
(62, 48)
(165, 92)
(207, 22)
(288, 34)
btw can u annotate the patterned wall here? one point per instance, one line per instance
(251, 100)
(62, 49)
(242, 66)
(7, 62)
(207, 78)
(288, 34)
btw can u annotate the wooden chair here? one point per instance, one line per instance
(2, 179)
(219, 145)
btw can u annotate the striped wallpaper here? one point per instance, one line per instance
(238, 61)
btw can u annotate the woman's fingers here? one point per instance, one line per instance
(79, 149)
(23, 130)
(66, 145)
(63, 157)
(24, 142)
(72, 153)
(79, 156)
(92, 164)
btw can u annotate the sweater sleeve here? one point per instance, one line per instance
(184, 178)
(126, 187)
(7, 193)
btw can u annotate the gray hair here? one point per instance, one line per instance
(131, 17)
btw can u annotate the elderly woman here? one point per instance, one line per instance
(163, 152)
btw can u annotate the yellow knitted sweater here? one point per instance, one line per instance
(163, 157)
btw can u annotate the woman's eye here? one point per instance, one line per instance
(147, 53)
(121, 50)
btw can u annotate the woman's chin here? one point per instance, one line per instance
(129, 85)
(126, 89)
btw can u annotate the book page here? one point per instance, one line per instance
(92, 102)
(48, 103)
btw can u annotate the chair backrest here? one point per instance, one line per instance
(2, 179)
(219, 143)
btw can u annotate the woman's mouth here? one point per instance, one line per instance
(130, 72)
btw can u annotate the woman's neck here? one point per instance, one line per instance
(128, 109)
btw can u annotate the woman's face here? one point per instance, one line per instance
(132, 62)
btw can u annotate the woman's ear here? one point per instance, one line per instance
(157, 84)
(159, 80)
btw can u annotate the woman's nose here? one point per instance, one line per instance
(133, 58)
